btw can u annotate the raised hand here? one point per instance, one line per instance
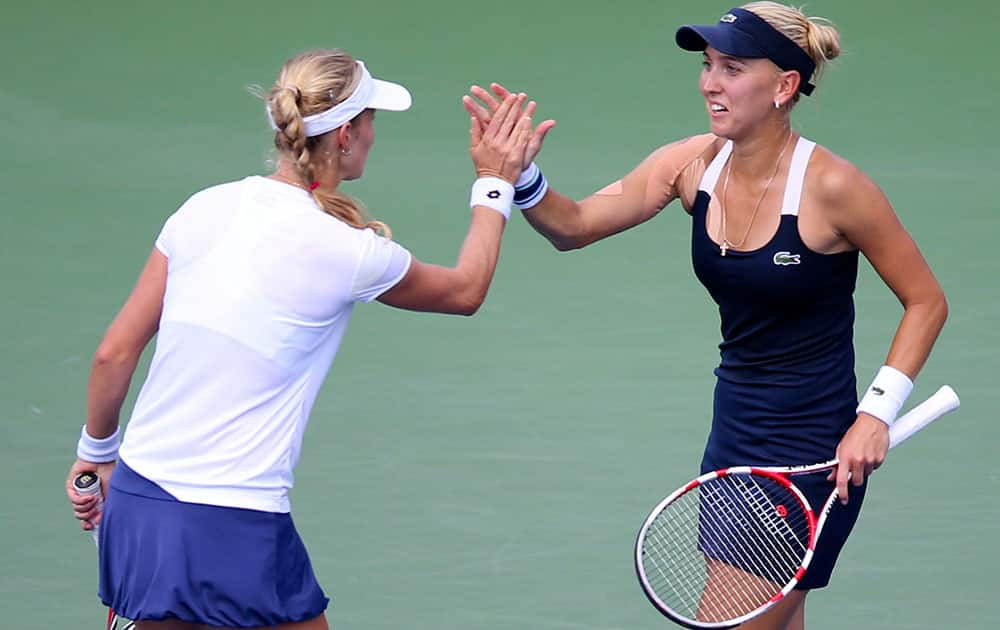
(498, 148)
(484, 109)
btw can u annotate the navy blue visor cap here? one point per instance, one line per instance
(742, 33)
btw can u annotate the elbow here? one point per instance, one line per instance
(937, 305)
(568, 243)
(110, 354)
(468, 305)
(932, 309)
(942, 308)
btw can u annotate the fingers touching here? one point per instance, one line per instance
(498, 150)
(483, 106)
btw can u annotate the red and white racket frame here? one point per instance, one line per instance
(941, 402)
(779, 476)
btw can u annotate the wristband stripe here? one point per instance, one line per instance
(522, 195)
(530, 188)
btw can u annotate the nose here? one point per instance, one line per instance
(708, 82)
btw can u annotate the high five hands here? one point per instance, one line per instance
(497, 147)
(483, 105)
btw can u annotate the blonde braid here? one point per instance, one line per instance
(310, 83)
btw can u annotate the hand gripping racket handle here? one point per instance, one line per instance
(943, 401)
(89, 484)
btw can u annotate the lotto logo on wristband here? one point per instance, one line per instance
(494, 193)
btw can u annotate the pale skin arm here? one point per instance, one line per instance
(496, 150)
(111, 372)
(566, 223)
(860, 212)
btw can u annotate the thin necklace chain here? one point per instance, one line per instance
(725, 243)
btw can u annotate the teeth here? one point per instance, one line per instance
(718, 108)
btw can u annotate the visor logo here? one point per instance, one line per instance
(728, 18)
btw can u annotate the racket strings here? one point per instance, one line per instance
(778, 519)
(706, 603)
(690, 580)
(760, 559)
(726, 547)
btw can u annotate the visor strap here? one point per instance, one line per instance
(780, 49)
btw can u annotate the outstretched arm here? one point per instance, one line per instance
(497, 153)
(570, 224)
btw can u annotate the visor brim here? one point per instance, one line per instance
(722, 37)
(390, 96)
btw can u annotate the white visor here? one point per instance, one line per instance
(370, 93)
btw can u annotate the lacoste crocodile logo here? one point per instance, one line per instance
(786, 258)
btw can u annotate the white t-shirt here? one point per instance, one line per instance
(260, 287)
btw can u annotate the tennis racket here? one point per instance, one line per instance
(90, 484)
(730, 544)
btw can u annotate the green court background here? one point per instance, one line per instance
(490, 473)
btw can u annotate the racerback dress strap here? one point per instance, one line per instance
(796, 176)
(711, 176)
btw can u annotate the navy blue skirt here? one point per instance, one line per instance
(161, 558)
(838, 526)
(718, 544)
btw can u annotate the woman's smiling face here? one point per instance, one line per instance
(739, 92)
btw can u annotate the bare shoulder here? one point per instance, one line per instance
(837, 183)
(686, 150)
(850, 203)
(680, 165)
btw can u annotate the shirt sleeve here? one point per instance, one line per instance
(164, 239)
(383, 264)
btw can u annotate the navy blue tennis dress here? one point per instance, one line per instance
(785, 391)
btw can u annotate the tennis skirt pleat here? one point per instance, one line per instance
(161, 558)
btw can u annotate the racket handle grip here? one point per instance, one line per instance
(89, 484)
(943, 401)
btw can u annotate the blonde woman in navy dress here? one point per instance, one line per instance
(250, 288)
(777, 224)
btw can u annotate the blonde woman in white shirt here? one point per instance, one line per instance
(250, 288)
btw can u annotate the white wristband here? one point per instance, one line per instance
(886, 395)
(530, 187)
(95, 450)
(494, 193)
